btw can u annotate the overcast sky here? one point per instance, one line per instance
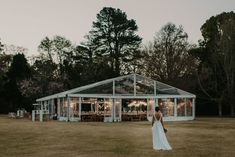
(26, 22)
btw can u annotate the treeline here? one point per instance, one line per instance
(113, 48)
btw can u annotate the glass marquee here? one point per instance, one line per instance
(125, 98)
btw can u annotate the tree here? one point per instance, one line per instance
(19, 68)
(63, 48)
(218, 62)
(1, 46)
(228, 48)
(60, 52)
(46, 45)
(57, 49)
(18, 71)
(45, 72)
(13, 49)
(89, 67)
(167, 59)
(5, 61)
(113, 38)
(43, 81)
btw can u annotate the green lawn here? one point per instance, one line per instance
(204, 137)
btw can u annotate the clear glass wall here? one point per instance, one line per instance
(189, 107)
(184, 107)
(166, 106)
(107, 107)
(63, 107)
(150, 109)
(125, 86)
(144, 86)
(181, 107)
(117, 108)
(106, 88)
(74, 107)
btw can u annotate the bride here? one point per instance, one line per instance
(159, 138)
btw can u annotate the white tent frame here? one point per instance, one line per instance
(44, 101)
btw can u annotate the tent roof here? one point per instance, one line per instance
(129, 85)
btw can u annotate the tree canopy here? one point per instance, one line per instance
(113, 37)
(18, 71)
(217, 68)
(167, 58)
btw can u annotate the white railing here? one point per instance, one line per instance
(40, 113)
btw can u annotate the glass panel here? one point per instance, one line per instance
(144, 85)
(117, 109)
(58, 107)
(136, 106)
(125, 107)
(63, 107)
(87, 105)
(53, 107)
(106, 88)
(125, 86)
(134, 109)
(162, 88)
(181, 106)
(150, 109)
(189, 107)
(107, 107)
(92, 109)
(74, 107)
(166, 106)
(45, 105)
(100, 106)
(49, 106)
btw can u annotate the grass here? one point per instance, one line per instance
(204, 137)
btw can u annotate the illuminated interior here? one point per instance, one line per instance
(126, 98)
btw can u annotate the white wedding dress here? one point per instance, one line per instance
(159, 138)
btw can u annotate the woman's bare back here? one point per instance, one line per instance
(158, 115)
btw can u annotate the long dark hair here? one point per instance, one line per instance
(157, 109)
